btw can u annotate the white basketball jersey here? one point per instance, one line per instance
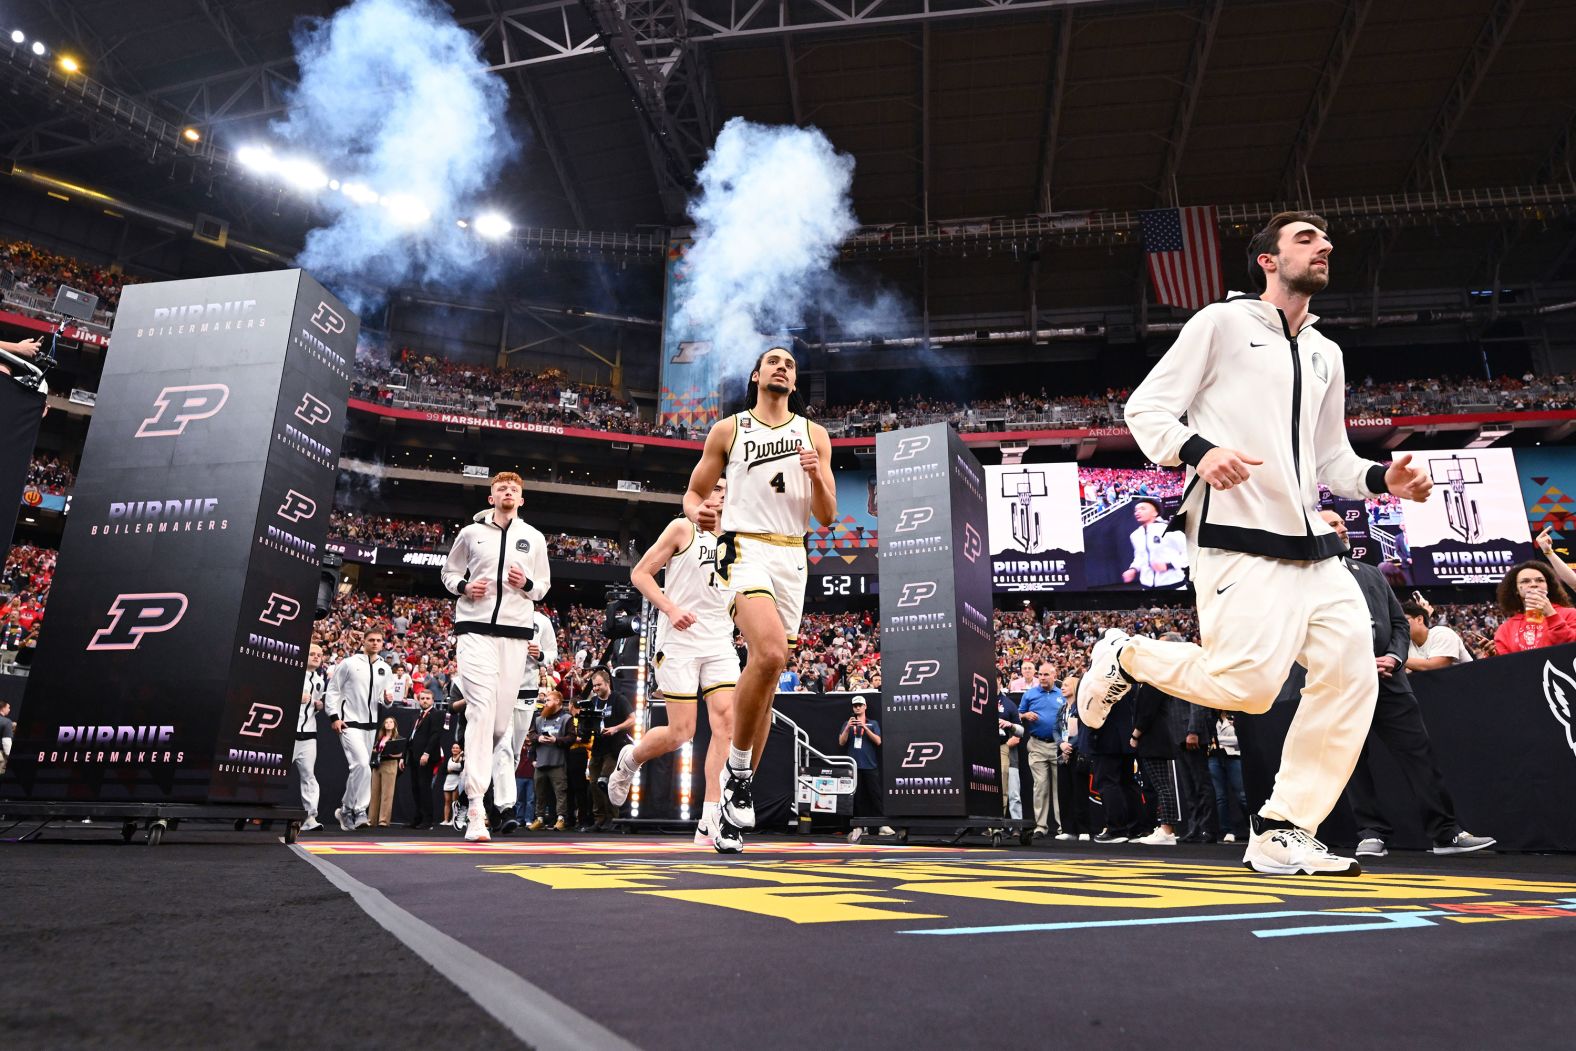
(768, 492)
(688, 582)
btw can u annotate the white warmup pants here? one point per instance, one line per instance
(1256, 616)
(489, 671)
(507, 757)
(305, 760)
(358, 779)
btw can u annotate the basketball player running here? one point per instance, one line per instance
(779, 470)
(304, 756)
(498, 568)
(1264, 395)
(695, 658)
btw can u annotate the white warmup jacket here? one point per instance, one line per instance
(547, 639)
(313, 689)
(357, 690)
(485, 550)
(1246, 382)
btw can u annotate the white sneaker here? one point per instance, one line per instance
(886, 830)
(1067, 835)
(737, 807)
(344, 822)
(623, 776)
(1158, 838)
(311, 824)
(1105, 682)
(476, 825)
(1083, 837)
(728, 838)
(1372, 847)
(703, 836)
(855, 834)
(1293, 852)
(1229, 837)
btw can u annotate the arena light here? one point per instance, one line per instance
(69, 64)
(493, 226)
(257, 158)
(406, 209)
(18, 37)
(38, 47)
(191, 135)
(361, 193)
(302, 174)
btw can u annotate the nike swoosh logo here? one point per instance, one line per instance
(1253, 344)
(1222, 591)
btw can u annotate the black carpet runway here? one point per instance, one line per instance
(238, 940)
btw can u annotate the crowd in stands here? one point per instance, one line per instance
(50, 474)
(417, 534)
(1101, 487)
(24, 589)
(416, 381)
(519, 395)
(28, 268)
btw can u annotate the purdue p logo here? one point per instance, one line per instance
(328, 320)
(911, 446)
(922, 752)
(175, 407)
(133, 616)
(261, 719)
(313, 411)
(296, 507)
(914, 517)
(280, 608)
(916, 592)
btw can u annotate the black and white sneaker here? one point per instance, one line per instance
(1282, 849)
(738, 800)
(1108, 836)
(727, 838)
(1105, 682)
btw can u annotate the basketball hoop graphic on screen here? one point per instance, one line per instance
(1461, 510)
(1021, 487)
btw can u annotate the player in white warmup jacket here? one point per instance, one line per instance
(541, 655)
(1264, 394)
(498, 567)
(304, 755)
(695, 658)
(357, 692)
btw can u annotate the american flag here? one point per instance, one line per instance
(1183, 249)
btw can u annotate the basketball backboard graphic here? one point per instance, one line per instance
(1454, 474)
(1022, 487)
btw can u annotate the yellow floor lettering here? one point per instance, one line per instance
(798, 904)
(1106, 894)
(586, 877)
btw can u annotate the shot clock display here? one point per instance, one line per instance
(844, 585)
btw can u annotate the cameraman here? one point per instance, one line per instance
(611, 719)
(861, 737)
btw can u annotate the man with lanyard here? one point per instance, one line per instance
(1039, 712)
(426, 745)
(357, 690)
(1159, 555)
(304, 757)
(543, 653)
(498, 568)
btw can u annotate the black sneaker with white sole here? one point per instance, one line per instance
(737, 806)
(1105, 682)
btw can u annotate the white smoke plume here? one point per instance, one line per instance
(773, 207)
(395, 101)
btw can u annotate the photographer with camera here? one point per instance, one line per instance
(610, 719)
(861, 737)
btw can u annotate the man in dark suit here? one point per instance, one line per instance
(424, 750)
(1398, 722)
(1191, 727)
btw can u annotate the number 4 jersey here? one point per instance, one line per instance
(768, 492)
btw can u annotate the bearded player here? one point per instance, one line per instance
(695, 658)
(778, 466)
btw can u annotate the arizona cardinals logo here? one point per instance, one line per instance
(1559, 689)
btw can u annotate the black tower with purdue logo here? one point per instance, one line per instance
(938, 660)
(170, 663)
